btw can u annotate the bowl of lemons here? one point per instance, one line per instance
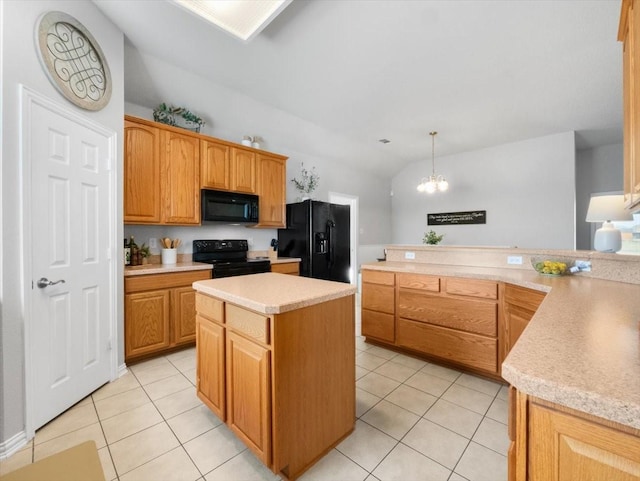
(551, 266)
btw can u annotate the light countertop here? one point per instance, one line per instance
(146, 269)
(274, 293)
(582, 347)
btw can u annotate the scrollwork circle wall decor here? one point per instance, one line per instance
(73, 60)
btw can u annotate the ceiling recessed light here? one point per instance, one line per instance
(244, 19)
(384, 141)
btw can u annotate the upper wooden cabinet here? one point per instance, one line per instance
(161, 175)
(271, 189)
(165, 168)
(629, 35)
(243, 171)
(141, 173)
(215, 165)
(180, 168)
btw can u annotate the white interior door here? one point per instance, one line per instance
(71, 308)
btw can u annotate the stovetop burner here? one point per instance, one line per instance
(229, 257)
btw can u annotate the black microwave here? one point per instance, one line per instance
(231, 207)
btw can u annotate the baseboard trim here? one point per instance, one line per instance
(12, 445)
(122, 370)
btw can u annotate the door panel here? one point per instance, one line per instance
(70, 162)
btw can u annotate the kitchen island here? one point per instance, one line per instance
(276, 362)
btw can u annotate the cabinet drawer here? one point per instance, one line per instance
(247, 322)
(467, 315)
(164, 281)
(471, 288)
(210, 307)
(378, 298)
(379, 277)
(286, 268)
(464, 348)
(378, 325)
(419, 281)
(521, 296)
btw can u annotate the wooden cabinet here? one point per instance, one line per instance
(520, 304)
(215, 165)
(180, 167)
(453, 319)
(629, 35)
(378, 305)
(248, 394)
(161, 175)
(165, 168)
(272, 192)
(142, 201)
(283, 383)
(292, 268)
(555, 443)
(159, 312)
(147, 323)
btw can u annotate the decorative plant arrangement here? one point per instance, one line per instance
(307, 183)
(432, 238)
(178, 117)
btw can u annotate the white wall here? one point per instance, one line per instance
(20, 64)
(230, 115)
(600, 169)
(527, 189)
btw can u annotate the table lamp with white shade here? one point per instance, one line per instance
(607, 208)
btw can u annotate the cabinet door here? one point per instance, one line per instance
(180, 165)
(243, 171)
(292, 268)
(271, 189)
(248, 394)
(183, 302)
(215, 165)
(210, 371)
(147, 322)
(379, 325)
(563, 447)
(142, 201)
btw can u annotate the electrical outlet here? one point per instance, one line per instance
(153, 243)
(514, 260)
(409, 255)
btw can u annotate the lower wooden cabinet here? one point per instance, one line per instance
(520, 304)
(210, 365)
(249, 394)
(378, 305)
(555, 443)
(283, 383)
(159, 312)
(292, 268)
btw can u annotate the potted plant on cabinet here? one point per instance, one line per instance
(307, 183)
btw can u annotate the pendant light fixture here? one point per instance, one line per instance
(434, 182)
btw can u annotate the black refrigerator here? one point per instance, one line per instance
(319, 234)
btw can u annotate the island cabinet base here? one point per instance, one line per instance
(550, 442)
(284, 383)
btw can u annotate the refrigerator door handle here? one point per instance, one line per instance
(330, 235)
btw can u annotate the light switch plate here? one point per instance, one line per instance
(409, 255)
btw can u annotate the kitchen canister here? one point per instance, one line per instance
(169, 256)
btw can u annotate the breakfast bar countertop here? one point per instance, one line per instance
(274, 293)
(582, 347)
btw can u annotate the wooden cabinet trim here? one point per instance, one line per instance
(164, 281)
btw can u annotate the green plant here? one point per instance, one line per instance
(432, 238)
(144, 250)
(167, 115)
(308, 181)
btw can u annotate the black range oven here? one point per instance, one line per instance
(229, 257)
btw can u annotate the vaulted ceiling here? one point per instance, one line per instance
(481, 72)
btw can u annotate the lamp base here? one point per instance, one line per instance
(607, 238)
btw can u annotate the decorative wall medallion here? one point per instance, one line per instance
(73, 60)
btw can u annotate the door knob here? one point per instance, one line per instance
(44, 282)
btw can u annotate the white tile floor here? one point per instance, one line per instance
(416, 420)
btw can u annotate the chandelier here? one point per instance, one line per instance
(433, 182)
